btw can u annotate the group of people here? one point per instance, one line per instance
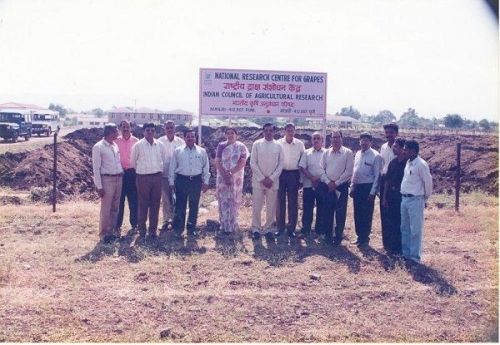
(173, 172)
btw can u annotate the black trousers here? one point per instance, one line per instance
(129, 190)
(383, 210)
(288, 199)
(329, 200)
(341, 210)
(311, 198)
(186, 190)
(391, 230)
(363, 211)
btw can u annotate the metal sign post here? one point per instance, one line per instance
(54, 173)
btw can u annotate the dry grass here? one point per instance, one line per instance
(56, 285)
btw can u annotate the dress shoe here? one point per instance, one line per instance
(269, 236)
(192, 233)
(291, 234)
(255, 235)
(278, 233)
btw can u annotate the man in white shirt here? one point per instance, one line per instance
(108, 174)
(148, 159)
(189, 175)
(364, 187)
(391, 132)
(289, 182)
(416, 188)
(312, 170)
(337, 163)
(266, 161)
(171, 142)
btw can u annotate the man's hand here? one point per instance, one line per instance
(204, 187)
(100, 192)
(371, 198)
(268, 183)
(172, 188)
(332, 186)
(351, 193)
(315, 181)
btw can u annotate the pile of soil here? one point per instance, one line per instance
(34, 169)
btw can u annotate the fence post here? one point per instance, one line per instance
(54, 187)
(457, 184)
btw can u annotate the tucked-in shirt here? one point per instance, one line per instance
(311, 161)
(292, 151)
(125, 146)
(266, 160)
(337, 165)
(388, 155)
(394, 176)
(148, 158)
(189, 162)
(105, 160)
(367, 167)
(170, 147)
(417, 179)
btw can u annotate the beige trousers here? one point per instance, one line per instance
(110, 202)
(166, 201)
(270, 196)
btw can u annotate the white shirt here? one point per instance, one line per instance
(170, 147)
(189, 162)
(266, 160)
(337, 165)
(293, 151)
(105, 160)
(388, 155)
(148, 158)
(367, 167)
(417, 179)
(311, 161)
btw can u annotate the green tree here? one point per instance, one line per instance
(350, 111)
(383, 117)
(453, 121)
(97, 112)
(410, 119)
(57, 107)
(485, 124)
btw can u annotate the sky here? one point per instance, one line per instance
(437, 56)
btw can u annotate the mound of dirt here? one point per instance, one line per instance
(34, 169)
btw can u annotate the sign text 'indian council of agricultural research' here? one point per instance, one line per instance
(262, 93)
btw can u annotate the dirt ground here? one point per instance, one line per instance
(56, 284)
(25, 170)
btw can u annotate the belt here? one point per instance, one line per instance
(194, 177)
(150, 174)
(130, 169)
(294, 170)
(408, 195)
(112, 175)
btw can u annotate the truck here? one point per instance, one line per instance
(15, 123)
(45, 122)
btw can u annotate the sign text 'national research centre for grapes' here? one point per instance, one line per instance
(227, 92)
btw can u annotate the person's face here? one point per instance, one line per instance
(410, 153)
(289, 132)
(269, 133)
(189, 138)
(365, 143)
(390, 134)
(317, 141)
(113, 135)
(398, 150)
(149, 133)
(336, 139)
(230, 136)
(169, 129)
(125, 128)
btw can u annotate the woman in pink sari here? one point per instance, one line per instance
(230, 162)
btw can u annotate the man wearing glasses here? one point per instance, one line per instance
(171, 142)
(148, 158)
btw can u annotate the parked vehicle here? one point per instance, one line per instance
(15, 123)
(45, 122)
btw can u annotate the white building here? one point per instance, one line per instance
(143, 115)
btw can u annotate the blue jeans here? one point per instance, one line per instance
(412, 225)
